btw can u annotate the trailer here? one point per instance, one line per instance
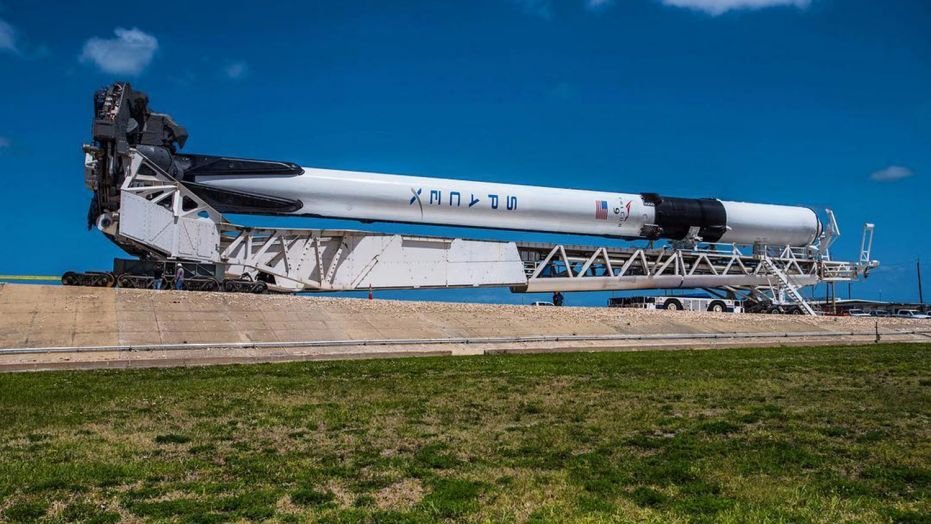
(678, 303)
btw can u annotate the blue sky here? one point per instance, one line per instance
(820, 103)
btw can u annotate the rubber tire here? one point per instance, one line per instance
(717, 307)
(673, 305)
(70, 278)
(260, 288)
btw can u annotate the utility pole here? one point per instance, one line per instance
(834, 296)
(921, 298)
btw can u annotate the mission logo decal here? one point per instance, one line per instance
(623, 212)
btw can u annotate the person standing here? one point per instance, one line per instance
(157, 272)
(557, 299)
(179, 277)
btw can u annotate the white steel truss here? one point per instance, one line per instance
(576, 268)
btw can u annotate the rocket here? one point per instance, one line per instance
(437, 201)
(235, 185)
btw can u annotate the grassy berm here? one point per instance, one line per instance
(751, 435)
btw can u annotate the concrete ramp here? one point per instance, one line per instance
(159, 325)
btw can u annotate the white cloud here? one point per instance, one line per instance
(891, 174)
(127, 54)
(8, 37)
(236, 70)
(718, 7)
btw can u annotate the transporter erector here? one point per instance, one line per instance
(163, 204)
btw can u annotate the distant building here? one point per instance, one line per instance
(845, 305)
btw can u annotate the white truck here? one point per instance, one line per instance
(912, 314)
(679, 303)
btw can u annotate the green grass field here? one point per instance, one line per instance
(751, 435)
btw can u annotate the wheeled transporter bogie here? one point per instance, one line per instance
(90, 279)
(244, 285)
(141, 274)
(134, 281)
(137, 282)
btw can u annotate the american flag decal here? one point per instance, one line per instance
(601, 210)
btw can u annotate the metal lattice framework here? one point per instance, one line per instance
(577, 268)
(774, 275)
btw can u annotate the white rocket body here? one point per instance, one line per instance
(396, 198)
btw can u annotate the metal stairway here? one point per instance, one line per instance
(786, 285)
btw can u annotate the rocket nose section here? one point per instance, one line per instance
(771, 224)
(818, 229)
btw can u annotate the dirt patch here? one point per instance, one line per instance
(400, 495)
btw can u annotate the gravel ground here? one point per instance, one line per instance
(697, 321)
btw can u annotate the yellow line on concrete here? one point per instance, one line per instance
(29, 277)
